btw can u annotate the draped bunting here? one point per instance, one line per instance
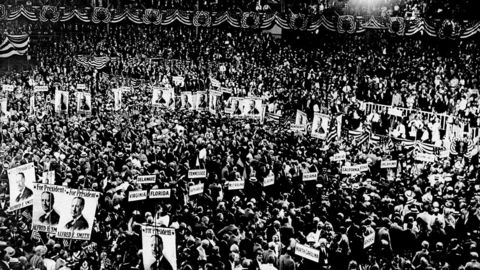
(444, 29)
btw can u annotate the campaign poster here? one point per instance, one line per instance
(61, 101)
(7, 87)
(159, 248)
(21, 181)
(187, 100)
(47, 202)
(214, 101)
(320, 126)
(163, 97)
(84, 103)
(31, 107)
(201, 101)
(301, 118)
(77, 214)
(236, 107)
(3, 107)
(252, 108)
(178, 81)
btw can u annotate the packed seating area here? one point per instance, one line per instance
(358, 151)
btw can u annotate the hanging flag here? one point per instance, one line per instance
(36, 235)
(97, 62)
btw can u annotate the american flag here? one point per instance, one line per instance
(27, 215)
(97, 62)
(14, 45)
(272, 117)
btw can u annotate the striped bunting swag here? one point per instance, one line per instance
(14, 45)
(359, 137)
(97, 62)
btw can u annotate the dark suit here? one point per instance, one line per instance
(52, 219)
(27, 193)
(164, 264)
(79, 224)
(253, 111)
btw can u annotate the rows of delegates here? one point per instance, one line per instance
(421, 213)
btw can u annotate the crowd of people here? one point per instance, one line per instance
(424, 215)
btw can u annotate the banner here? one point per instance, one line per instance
(252, 108)
(47, 204)
(159, 193)
(40, 88)
(159, 248)
(195, 189)
(236, 185)
(199, 173)
(350, 169)
(269, 180)
(7, 87)
(61, 101)
(386, 164)
(368, 240)
(3, 107)
(320, 126)
(200, 101)
(307, 252)
(301, 120)
(137, 195)
(117, 99)
(77, 214)
(214, 101)
(146, 179)
(21, 181)
(310, 176)
(163, 97)
(187, 100)
(84, 103)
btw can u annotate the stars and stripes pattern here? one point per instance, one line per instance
(14, 45)
(272, 117)
(97, 62)
(36, 235)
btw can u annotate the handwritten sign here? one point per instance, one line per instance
(307, 252)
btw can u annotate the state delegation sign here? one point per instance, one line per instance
(193, 174)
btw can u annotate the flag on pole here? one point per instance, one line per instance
(36, 235)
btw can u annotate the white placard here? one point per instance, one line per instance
(350, 170)
(339, 156)
(269, 180)
(146, 179)
(21, 181)
(363, 167)
(307, 252)
(310, 176)
(368, 240)
(159, 249)
(298, 128)
(159, 193)
(425, 157)
(201, 173)
(195, 189)
(395, 112)
(137, 195)
(40, 88)
(386, 164)
(81, 86)
(7, 87)
(236, 185)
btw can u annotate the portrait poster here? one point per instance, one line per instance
(21, 181)
(252, 108)
(320, 126)
(46, 207)
(159, 248)
(84, 103)
(214, 101)
(201, 101)
(77, 214)
(187, 101)
(61, 101)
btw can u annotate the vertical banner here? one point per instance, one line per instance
(235, 108)
(47, 202)
(214, 101)
(163, 97)
(117, 99)
(31, 107)
(159, 248)
(187, 100)
(21, 181)
(3, 107)
(61, 101)
(84, 103)
(201, 102)
(320, 126)
(77, 214)
(301, 118)
(339, 126)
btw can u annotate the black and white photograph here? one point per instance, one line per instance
(240, 135)
(21, 179)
